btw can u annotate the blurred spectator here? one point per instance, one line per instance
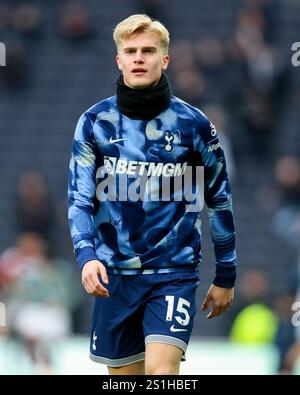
(251, 318)
(39, 294)
(250, 29)
(291, 359)
(14, 75)
(13, 260)
(269, 10)
(285, 334)
(210, 58)
(287, 173)
(190, 85)
(262, 94)
(263, 74)
(17, 24)
(75, 21)
(26, 19)
(177, 50)
(187, 80)
(255, 324)
(286, 220)
(64, 248)
(5, 17)
(34, 208)
(209, 53)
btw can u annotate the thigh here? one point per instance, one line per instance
(117, 332)
(162, 359)
(170, 310)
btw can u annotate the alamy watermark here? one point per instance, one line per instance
(296, 56)
(296, 315)
(2, 54)
(132, 181)
(2, 314)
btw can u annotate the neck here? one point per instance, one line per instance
(145, 102)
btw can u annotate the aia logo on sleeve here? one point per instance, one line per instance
(213, 131)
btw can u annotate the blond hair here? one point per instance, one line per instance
(140, 23)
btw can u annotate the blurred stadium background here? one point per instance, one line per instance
(233, 60)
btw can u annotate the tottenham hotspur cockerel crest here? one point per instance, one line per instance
(169, 138)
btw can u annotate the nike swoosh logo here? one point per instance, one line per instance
(116, 140)
(173, 329)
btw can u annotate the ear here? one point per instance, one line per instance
(118, 60)
(166, 60)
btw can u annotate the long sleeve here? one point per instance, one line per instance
(82, 191)
(217, 194)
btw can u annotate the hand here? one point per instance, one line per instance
(90, 272)
(220, 298)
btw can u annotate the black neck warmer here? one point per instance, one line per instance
(144, 103)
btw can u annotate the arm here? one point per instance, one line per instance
(218, 200)
(81, 203)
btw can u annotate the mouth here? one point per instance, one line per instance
(139, 71)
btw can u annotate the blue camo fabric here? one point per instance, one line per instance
(117, 171)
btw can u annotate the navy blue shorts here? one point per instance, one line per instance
(141, 309)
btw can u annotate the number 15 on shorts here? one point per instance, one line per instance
(182, 304)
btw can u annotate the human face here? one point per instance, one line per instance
(141, 60)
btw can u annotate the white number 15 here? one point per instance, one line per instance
(180, 308)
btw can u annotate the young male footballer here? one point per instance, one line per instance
(140, 252)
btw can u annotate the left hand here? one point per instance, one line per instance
(219, 298)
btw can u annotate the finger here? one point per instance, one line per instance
(97, 286)
(99, 294)
(222, 309)
(214, 312)
(103, 274)
(226, 307)
(94, 290)
(87, 286)
(206, 303)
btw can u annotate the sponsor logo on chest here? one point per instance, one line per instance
(133, 167)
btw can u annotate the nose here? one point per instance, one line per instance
(139, 57)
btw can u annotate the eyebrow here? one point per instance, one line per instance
(143, 48)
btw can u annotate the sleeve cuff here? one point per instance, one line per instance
(225, 277)
(84, 255)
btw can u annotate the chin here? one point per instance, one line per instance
(141, 83)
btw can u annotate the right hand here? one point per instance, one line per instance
(89, 275)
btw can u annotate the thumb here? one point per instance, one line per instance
(103, 273)
(206, 303)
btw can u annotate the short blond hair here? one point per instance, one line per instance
(140, 23)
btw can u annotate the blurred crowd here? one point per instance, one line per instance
(245, 75)
(21, 26)
(39, 285)
(39, 282)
